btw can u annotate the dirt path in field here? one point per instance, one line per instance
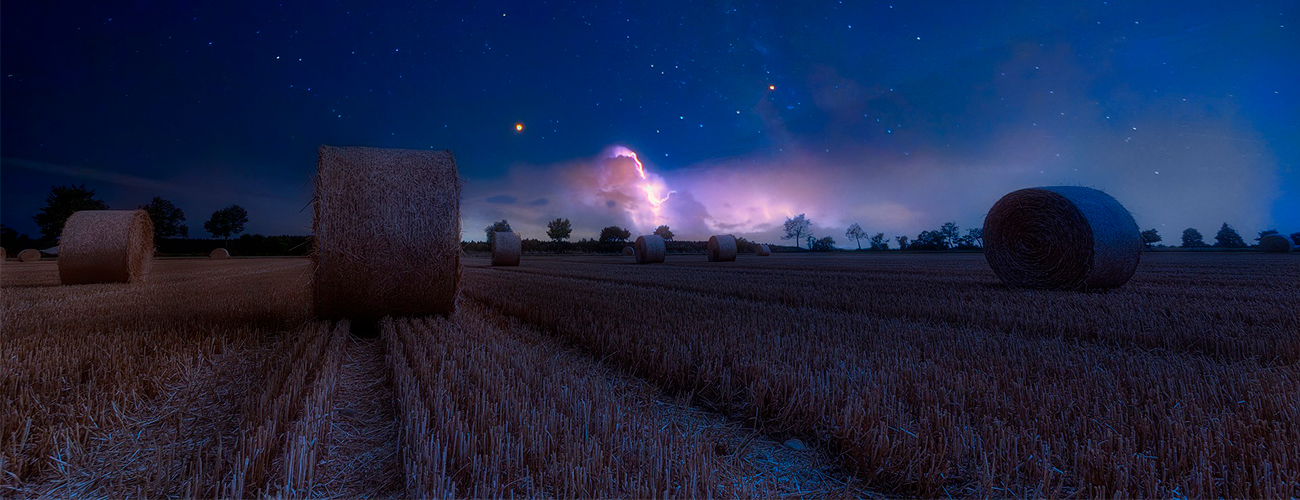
(361, 450)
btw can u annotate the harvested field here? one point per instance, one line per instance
(791, 375)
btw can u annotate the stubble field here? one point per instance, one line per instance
(790, 375)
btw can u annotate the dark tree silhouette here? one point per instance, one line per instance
(856, 234)
(1192, 238)
(902, 242)
(227, 222)
(61, 203)
(951, 234)
(664, 232)
(167, 219)
(1150, 237)
(559, 230)
(797, 229)
(878, 242)
(614, 234)
(498, 226)
(1264, 233)
(1228, 238)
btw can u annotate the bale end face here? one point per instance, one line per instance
(387, 233)
(106, 246)
(1061, 238)
(29, 255)
(650, 249)
(722, 248)
(506, 249)
(1275, 243)
(629, 251)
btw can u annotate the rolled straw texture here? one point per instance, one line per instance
(722, 248)
(1275, 243)
(219, 254)
(106, 246)
(1061, 238)
(764, 251)
(650, 249)
(29, 255)
(387, 233)
(506, 248)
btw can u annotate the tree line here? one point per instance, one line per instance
(1227, 237)
(168, 224)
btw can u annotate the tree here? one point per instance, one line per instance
(878, 242)
(501, 226)
(856, 234)
(797, 228)
(1149, 237)
(663, 232)
(951, 235)
(61, 203)
(823, 245)
(559, 230)
(1228, 238)
(227, 222)
(928, 240)
(614, 234)
(1192, 238)
(167, 219)
(974, 238)
(902, 242)
(1264, 233)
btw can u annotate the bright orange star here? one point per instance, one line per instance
(771, 87)
(519, 127)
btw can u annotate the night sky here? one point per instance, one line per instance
(894, 115)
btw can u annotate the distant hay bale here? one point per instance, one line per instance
(722, 248)
(629, 251)
(106, 246)
(650, 249)
(1275, 243)
(763, 251)
(1061, 238)
(29, 255)
(219, 254)
(506, 248)
(387, 233)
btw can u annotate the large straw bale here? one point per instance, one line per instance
(387, 233)
(1061, 238)
(650, 249)
(29, 255)
(506, 248)
(722, 248)
(1275, 243)
(106, 246)
(763, 251)
(629, 251)
(219, 254)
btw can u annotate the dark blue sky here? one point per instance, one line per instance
(900, 116)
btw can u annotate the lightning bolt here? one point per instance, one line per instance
(651, 188)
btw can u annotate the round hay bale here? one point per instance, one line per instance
(29, 255)
(1061, 238)
(629, 251)
(386, 231)
(506, 248)
(1275, 243)
(650, 249)
(763, 251)
(106, 246)
(219, 254)
(722, 248)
